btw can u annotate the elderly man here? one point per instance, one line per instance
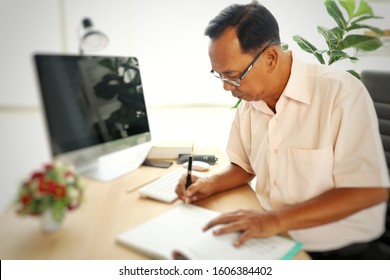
(307, 132)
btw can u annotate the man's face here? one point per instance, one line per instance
(228, 60)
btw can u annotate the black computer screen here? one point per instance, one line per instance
(89, 100)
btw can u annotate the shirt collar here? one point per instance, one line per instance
(296, 87)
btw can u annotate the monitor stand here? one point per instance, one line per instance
(114, 165)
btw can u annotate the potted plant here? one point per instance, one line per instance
(343, 36)
(50, 193)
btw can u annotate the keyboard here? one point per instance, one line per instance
(163, 188)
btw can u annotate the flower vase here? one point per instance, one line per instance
(49, 223)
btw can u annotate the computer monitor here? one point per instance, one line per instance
(95, 112)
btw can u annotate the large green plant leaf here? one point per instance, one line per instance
(349, 6)
(338, 32)
(362, 42)
(331, 36)
(336, 55)
(360, 26)
(354, 73)
(308, 47)
(364, 18)
(364, 9)
(335, 13)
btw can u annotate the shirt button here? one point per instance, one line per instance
(275, 151)
(275, 183)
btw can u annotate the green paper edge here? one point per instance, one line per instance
(290, 254)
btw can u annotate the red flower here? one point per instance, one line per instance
(42, 187)
(37, 175)
(60, 192)
(51, 187)
(49, 166)
(25, 199)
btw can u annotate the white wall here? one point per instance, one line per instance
(25, 27)
(167, 36)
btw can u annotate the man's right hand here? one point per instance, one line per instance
(200, 188)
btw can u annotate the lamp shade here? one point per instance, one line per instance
(92, 40)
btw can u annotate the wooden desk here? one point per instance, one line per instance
(109, 209)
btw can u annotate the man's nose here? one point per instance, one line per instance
(227, 86)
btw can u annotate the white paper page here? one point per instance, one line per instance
(172, 230)
(180, 230)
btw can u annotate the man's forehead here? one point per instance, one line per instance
(227, 42)
(225, 51)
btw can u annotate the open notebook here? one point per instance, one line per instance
(178, 234)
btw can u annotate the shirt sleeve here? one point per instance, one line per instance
(359, 159)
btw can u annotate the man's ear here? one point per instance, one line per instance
(271, 58)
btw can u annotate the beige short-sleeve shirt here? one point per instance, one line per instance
(324, 135)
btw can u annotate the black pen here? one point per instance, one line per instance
(189, 170)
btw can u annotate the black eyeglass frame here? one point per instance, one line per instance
(237, 82)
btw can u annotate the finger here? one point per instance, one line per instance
(180, 185)
(182, 196)
(193, 188)
(180, 191)
(212, 223)
(187, 196)
(242, 238)
(221, 219)
(231, 227)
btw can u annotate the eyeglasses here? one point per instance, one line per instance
(237, 82)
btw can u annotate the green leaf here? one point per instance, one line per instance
(308, 47)
(365, 18)
(284, 46)
(236, 105)
(362, 42)
(360, 26)
(338, 32)
(349, 6)
(330, 36)
(335, 13)
(353, 58)
(354, 73)
(321, 52)
(364, 9)
(336, 55)
(58, 209)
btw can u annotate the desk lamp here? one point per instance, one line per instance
(91, 40)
